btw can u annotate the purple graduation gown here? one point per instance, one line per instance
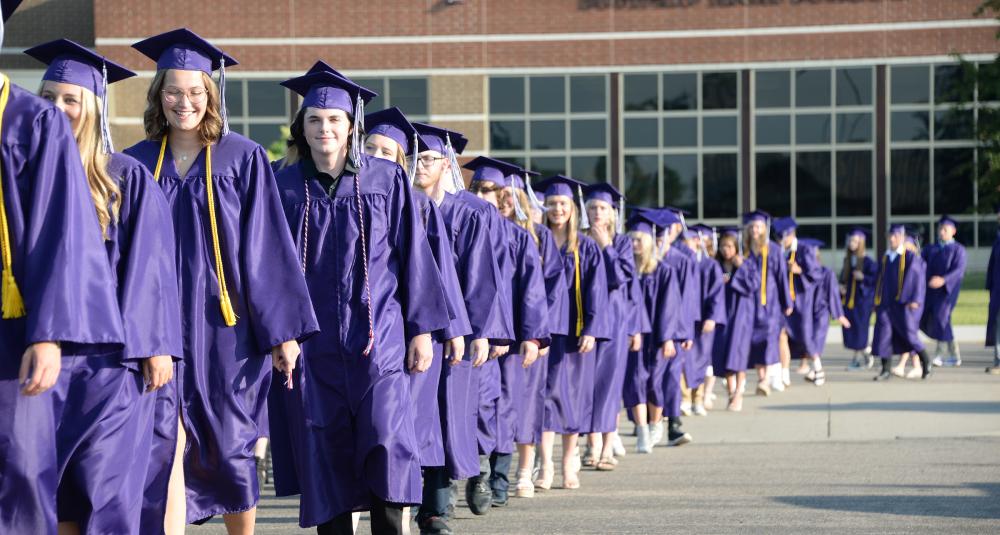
(612, 354)
(530, 321)
(569, 400)
(62, 270)
(896, 325)
(768, 318)
(731, 349)
(226, 371)
(683, 259)
(800, 323)
(713, 307)
(826, 305)
(350, 415)
(658, 295)
(993, 286)
(945, 260)
(859, 313)
(529, 422)
(104, 432)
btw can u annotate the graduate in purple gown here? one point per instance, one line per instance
(945, 270)
(993, 286)
(468, 221)
(658, 294)
(571, 361)
(605, 206)
(826, 306)
(713, 315)
(243, 295)
(802, 271)
(773, 301)
(492, 181)
(54, 267)
(731, 348)
(857, 295)
(104, 429)
(900, 288)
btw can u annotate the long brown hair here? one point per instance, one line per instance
(645, 258)
(572, 240)
(859, 254)
(155, 120)
(724, 239)
(298, 147)
(522, 198)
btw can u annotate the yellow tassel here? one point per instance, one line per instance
(228, 314)
(13, 304)
(579, 293)
(791, 277)
(763, 278)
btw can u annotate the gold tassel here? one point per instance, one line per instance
(791, 276)
(228, 314)
(13, 304)
(763, 278)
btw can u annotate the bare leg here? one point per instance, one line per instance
(784, 351)
(608, 451)
(176, 516)
(639, 414)
(570, 479)
(68, 528)
(596, 444)
(655, 413)
(241, 523)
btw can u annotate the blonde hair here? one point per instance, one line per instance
(645, 259)
(521, 198)
(755, 246)
(155, 120)
(612, 222)
(572, 239)
(859, 254)
(104, 189)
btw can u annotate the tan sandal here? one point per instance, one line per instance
(606, 465)
(525, 488)
(571, 480)
(545, 476)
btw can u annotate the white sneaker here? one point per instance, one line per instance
(655, 433)
(617, 448)
(777, 384)
(938, 361)
(643, 444)
(786, 377)
(685, 409)
(953, 361)
(699, 410)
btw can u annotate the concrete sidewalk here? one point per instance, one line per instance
(973, 336)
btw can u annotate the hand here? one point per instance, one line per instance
(686, 345)
(543, 352)
(914, 306)
(42, 360)
(499, 351)
(935, 282)
(635, 344)
(668, 350)
(284, 357)
(843, 289)
(859, 275)
(708, 326)
(788, 311)
(529, 350)
(844, 322)
(737, 261)
(795, 268)
(600, 235)
(587, 344)
(455, 348)
(479, 352)
(420, 353)
(157, 372)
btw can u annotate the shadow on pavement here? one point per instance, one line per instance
(978, 407)
(945, 505)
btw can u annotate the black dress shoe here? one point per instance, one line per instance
(434, 525)
(884, 376)
(478, 495)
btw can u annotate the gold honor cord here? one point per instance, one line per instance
(763, 277)
(13, 304)
(579, 293)
(228, 314)
(878, 283)
(791, 276)
(902, 268)
(854, 287)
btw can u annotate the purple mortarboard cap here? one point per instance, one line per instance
(8, 7)
(322, 66)
(756, 215)
(948, 220)
(812, 242)
(640, 222)
(559, 185)
(784, 225)
(436, 138)
(492, 170)
(859, 231)
(730, 231)
(327, 91)
(701, 228)
(602, 192)
(392, 124)
(71, 63)
(897, 228)
(184, 50)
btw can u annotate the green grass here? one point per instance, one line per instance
(973, 301)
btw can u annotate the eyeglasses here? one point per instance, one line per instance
(428, 160)
(194, 96)
(480, 186)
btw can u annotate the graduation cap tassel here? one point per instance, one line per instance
(620, 222)
(413, 159)
(222, 96)
(739, 243)
(584, 220)
(359, 127)
(532, 199)
(364, 260)
(456, 172)
(715, 240)
(518, 210)
(107, 145)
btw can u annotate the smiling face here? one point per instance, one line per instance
(67, 97)
(559, 209)
(383, 147)
(757, 230)
(184, 99)
(326, 131)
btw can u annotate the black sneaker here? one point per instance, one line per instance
(499, 498)
(478, 495)
(434, 525)
(678, 438)
(884, 376)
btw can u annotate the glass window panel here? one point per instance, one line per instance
(642, 180)
(910, 85)
(720, 176)
(680, 181)
(640, 92)
(910, 182)
(409, 95)
(548, 94)
(641, 133)
(813, 128)
(773, 130)
(548, 165)
(954, 181)
(680, 91)
(988, 233)
(719, 131)
(854, 87)
(680, 132)
(774, 182)
(507, 95)
(989, 82)
(718, 91)
(234, 98)
(812, 184)
(587, 94)
(954, 124)
(910, 125)
(816, 232)
(987, 193)
(812, 87)
(377, 85)
(266, 99)
(854, 128)
(965, 234)
(854, 183)
(265, 134)
(773, 89)
(951, 84)
(918, 229)
(547, 135)
(589, 168)
(507, 135)
(588, 134)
